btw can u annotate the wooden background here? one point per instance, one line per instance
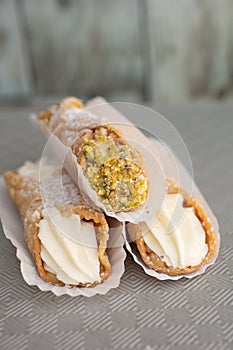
(156, 50)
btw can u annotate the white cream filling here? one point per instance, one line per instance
(178, 236)
(38, 170)
(71, 261)
(68, 244)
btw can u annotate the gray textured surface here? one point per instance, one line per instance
(142, 313)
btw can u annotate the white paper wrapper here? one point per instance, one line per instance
(152, 164)
(134, 137)
(13, 230)
(168, 170)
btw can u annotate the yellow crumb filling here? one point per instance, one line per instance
(114, 173)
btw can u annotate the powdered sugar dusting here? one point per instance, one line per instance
(67, 125)
(59, 189)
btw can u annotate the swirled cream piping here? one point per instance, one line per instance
(72, 261)
(178, 236)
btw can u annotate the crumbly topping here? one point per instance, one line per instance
(113, 171)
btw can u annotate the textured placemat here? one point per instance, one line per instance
(142, 313)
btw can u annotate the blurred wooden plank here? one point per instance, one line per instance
(221, 77)
(85, 46)
(15, 78)
(191, 48)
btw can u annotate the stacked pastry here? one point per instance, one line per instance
(67, 235)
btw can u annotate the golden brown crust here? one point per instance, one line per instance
(151, 259)
(69, 103)
(89, 134)
(64, 105)
(27, 195)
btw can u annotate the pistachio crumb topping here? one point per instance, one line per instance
(113, 171)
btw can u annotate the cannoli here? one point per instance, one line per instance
(176, 247)
(66, 237)
(113, 169)
(68, 118)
